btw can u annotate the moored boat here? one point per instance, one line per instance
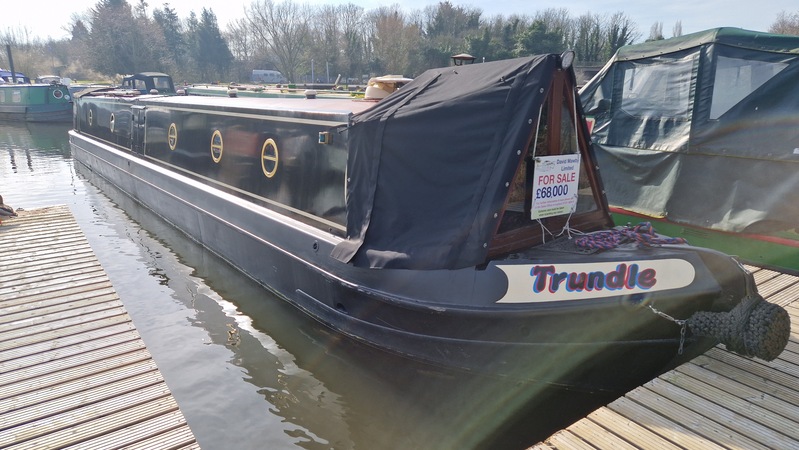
(459, 222)
(21, 100)
(696, 135)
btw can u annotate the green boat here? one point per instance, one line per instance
(21, 100)
(698, 135)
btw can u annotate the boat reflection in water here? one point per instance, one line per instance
(459, 224)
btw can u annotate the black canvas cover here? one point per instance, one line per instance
(702, 129)
(428, 165)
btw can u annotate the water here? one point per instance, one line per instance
(248, 370)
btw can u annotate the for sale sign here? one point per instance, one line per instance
(555, 183)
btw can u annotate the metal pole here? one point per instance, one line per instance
(11, 63)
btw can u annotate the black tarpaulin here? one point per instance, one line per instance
(428, 165)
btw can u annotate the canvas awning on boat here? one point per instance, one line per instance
(428, 165)
(701, 129)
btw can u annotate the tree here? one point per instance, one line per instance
(537, 40)
(242, 48)
(113, 31)
(283, 29)
(325, 40)
(621, 31)
(353, 40)
(168, 22)
(656, 32)
(210, 51)
(392, 39)
(445, 28)
(589, 39)
(677, 30)
(786, 23)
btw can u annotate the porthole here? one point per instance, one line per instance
(58, 94)
(90, 117)
(172, 137)
(111, 122)
(269, 158)
(216, 146)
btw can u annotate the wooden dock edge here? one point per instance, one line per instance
(719, 400)
(74, 371)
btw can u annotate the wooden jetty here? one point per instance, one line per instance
(717, 401)
(74, 372)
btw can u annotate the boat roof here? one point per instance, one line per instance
(344, 106)
(730, 36)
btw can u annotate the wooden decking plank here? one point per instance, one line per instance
(776, 284)
(42, 238)
(715, 415)
(786, 296)
(777, 416)
(70, 387)
(769, 370)
(43, 232)
(73, 369)
(30, 318)
(22, 277)
(627, 431)
(592, 431)
(100, 284)
(10, 354)
(70, 325)
(9, 310)
(54, 264)
(671, 431)
(690, 418)
(68, 374)
(786, 389)
(717, 400)
(44, 250)
(51, 285)
(150, 430)
(46, 420)
(63, 406)
(83, 429)
(18, 287)
(54, 361)
(768, 367)
(764, 275)
(44, 253)
(173, 439)
(565, 439)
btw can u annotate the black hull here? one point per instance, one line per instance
(609, 345)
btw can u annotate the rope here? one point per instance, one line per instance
(754, 328)
(643, 234)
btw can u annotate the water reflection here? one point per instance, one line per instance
(248, 370)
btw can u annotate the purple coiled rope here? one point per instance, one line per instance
(643, 233)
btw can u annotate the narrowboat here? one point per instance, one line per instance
(697, 135)
(460, 223)
(21, 100)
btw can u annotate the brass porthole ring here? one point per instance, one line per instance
(216, 146)
(269, 158)
(172, 136)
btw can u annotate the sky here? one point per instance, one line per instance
(692, 14)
